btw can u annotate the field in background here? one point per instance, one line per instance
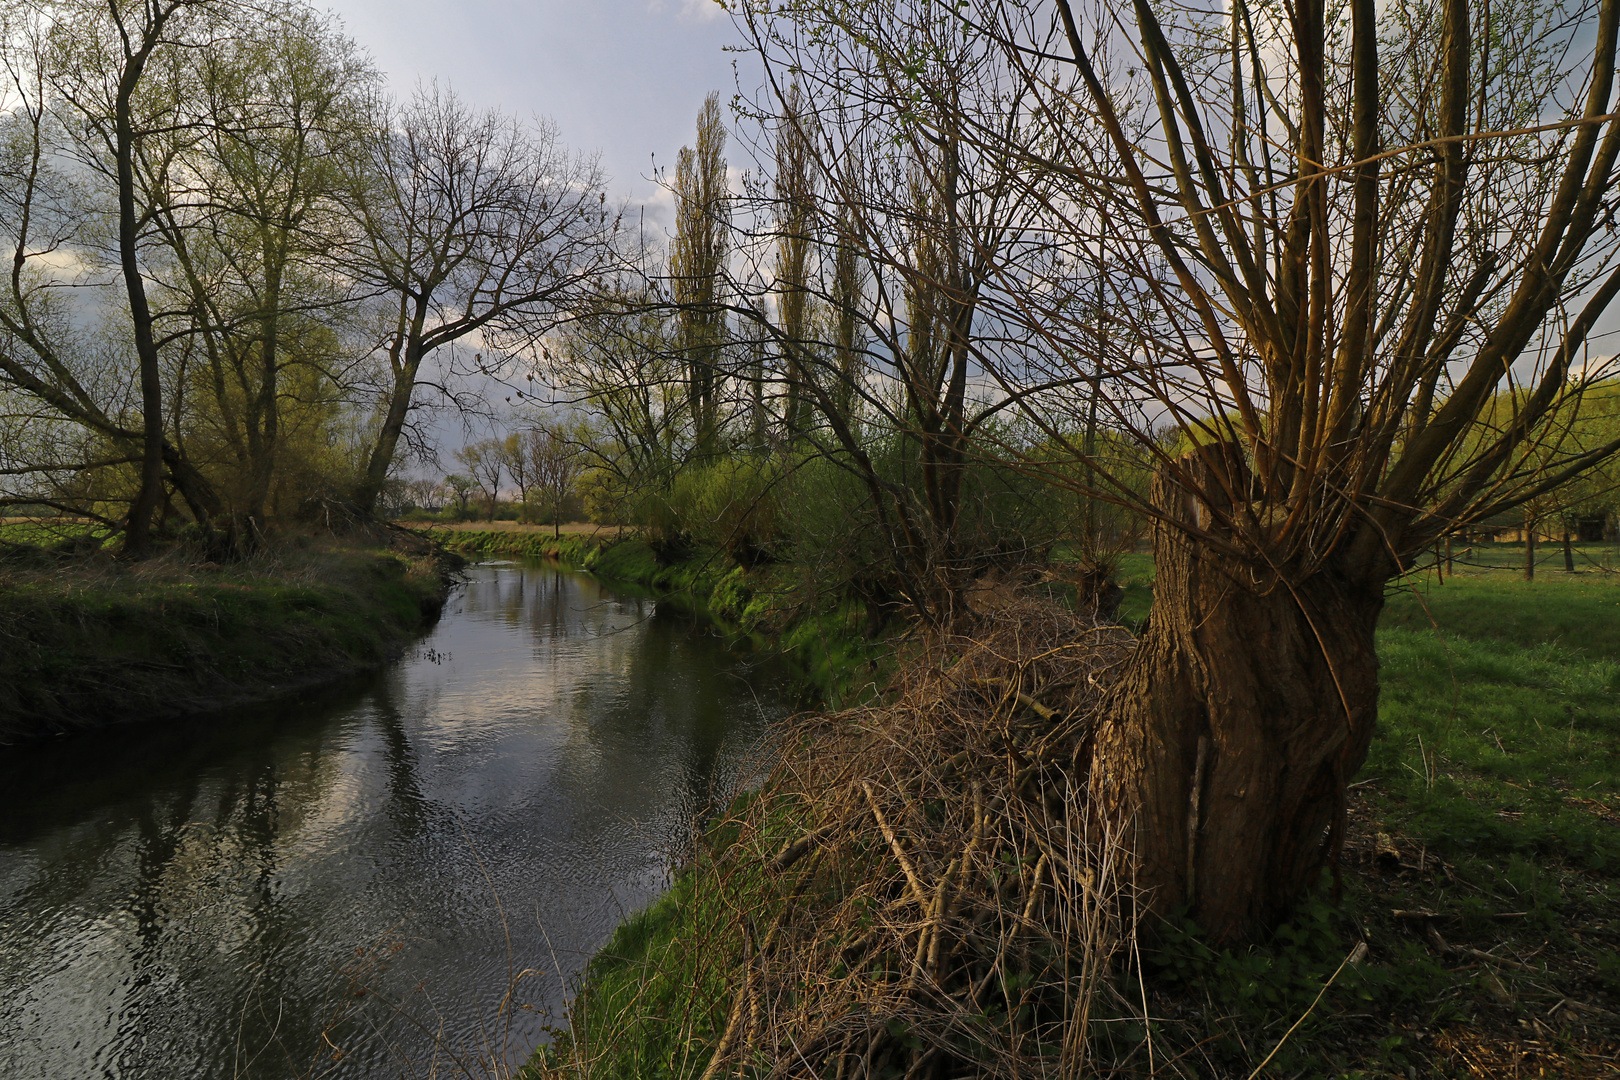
(572, 528)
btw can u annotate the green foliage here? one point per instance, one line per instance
(732, 504)
(1005, 516)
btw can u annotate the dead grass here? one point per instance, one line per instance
(918, 891)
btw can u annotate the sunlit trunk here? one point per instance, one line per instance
(1231, 737)
(1529, 547)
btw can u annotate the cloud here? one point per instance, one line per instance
(701, 11)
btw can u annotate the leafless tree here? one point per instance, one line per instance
(485, 462)
(473, 225)
(515, 456)
(1351, 265)
(555, 460)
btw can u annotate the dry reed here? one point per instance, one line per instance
(916, 888)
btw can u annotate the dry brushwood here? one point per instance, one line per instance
(929, 897)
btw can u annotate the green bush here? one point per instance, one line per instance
(732, 504)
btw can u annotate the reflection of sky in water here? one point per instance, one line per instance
(188, 901)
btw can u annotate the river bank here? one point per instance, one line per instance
(90, 641)
(351, 870)
(1473, 935)
(828, 639)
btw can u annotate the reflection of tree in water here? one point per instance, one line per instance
(239, 870)
(554, 611)
(655, 729)
(407, 806)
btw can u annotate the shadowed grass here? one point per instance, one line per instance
(90, 641)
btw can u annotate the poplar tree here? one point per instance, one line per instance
(696, 265)
(795, 223)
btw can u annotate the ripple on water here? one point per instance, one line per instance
(203, 900)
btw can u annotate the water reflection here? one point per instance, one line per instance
(206, 900)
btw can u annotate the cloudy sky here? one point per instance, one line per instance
(623, 77)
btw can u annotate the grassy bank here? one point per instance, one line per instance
(773, 606)
(1481, 873)
(87, 641)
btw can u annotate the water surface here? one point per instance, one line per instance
(347, 885)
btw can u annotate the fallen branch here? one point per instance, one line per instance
(795, 850)
(917, 891)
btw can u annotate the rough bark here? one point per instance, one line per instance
(405, 368)
(1249, 705)
(1529, 547)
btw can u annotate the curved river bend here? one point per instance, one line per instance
(347, 886)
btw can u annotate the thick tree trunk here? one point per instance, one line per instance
(138, 527)
(381, 458)
(1232, 736)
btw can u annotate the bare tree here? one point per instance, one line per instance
(1353, 265)
(555, 461)
(461, 487)
(620, 362)
(423, 492)
(485, 463)
(473, 224)
(515, 456)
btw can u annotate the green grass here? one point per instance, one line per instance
(1579, 612)
(1491, 797)
(51, 533)
(90, 640)
(1135, 576)
(1500, 715)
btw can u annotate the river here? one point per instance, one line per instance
(347, 885)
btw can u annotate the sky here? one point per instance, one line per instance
(621, 77)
